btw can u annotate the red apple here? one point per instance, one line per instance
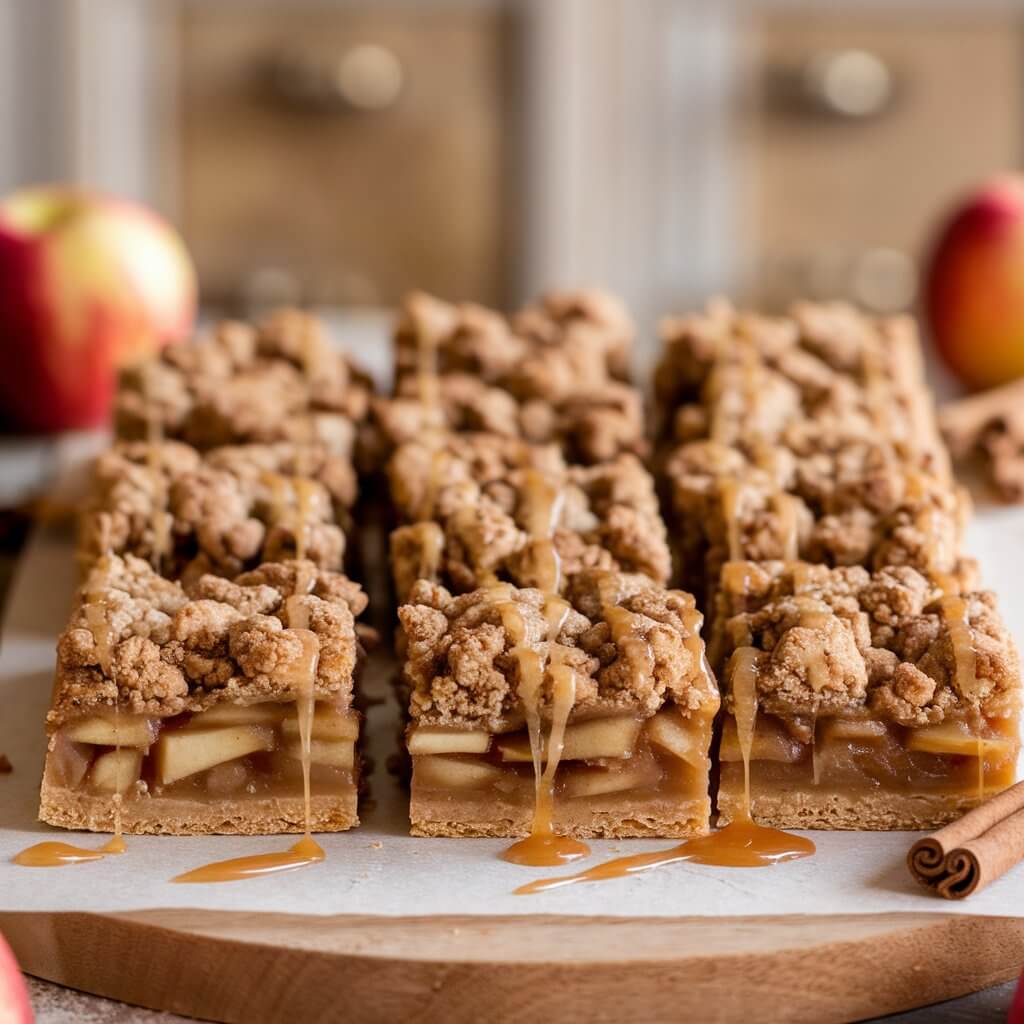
(975, 286)
(1016, 1015)
(14, 1005)
(88, 283)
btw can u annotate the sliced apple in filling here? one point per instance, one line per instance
(328, 724)
(70, 760)
(584, 741)
(269, 713)
(116, 771)
(183, 752)
(442, 772)
(434, 739)
(111, 730)
(859, 730)
(594, 781)
(955, 738)
(670, 732)
(771, 742)
(336, 753)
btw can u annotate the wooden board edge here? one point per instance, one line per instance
(270, 968)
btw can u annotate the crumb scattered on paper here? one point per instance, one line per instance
(5, 765)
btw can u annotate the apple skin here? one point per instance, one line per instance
(14, 1005)
(88, 284)
(974, 291)
(1016, 1015)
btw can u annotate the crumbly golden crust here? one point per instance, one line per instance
(821, 809)
(756, 377)
(546, 350)
(225, 512)
(603, 517)
(223, 642)
(590, 424)
(281, 381)
(833, 641)
(857, 504)
(810, 435)
(460, 669)
(553, 373)
(251, 816)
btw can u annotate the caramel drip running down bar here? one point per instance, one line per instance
(306, 499)
(162, 518)
(956, 616)
(742, 843)
(307, 850)
(731, 495)
(54, 854)
(542, 848)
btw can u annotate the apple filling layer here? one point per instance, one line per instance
(227, 753)
(848, 764)
(619, 774)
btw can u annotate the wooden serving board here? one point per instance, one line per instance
(262, 968)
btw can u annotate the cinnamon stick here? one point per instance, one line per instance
(973, 851)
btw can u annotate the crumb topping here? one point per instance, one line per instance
(222, 641)
(856, 504)
(282, 380)
(603, 516)
(838, 640)
(553, 373)
(221, 512)
(461, 669)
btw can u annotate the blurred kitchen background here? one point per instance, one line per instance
(338, 152)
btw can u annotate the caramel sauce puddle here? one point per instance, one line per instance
(741, 844)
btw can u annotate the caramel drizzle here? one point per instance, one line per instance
(294, 503)
(428, 382)
(57, 854)
(307, 500)
(785, 506)
(929, 522)
(742, 843)
(876, 389)
(312, 349)
(307, 850)
(543, 848)
(543, 510)
(956, 616)
(162, 519)
(731, 493)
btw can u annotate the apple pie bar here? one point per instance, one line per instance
(554, 373)
(223, 511)
(281, 381)
(604, 696)
(807, 436)
(535, 523)
(877, 700)
(194, 710)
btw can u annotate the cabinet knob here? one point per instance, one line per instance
(366, 77)
(847, 83)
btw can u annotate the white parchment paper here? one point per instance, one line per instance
(378, 869)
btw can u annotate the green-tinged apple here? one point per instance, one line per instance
(975, 286)
(14, 1005)
(88, 284)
